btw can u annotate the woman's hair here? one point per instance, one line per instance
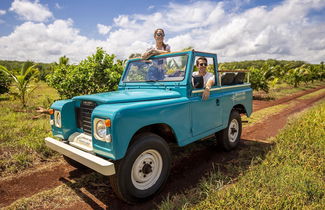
(156, 31)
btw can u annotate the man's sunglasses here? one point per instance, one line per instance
(160, 34)
(203, 64)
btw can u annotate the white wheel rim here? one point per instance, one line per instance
(233, 130)
(146, 169)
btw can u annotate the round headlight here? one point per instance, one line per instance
(57, 119)
(100, 128)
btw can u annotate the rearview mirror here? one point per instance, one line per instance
(198, 81)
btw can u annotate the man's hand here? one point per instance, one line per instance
(206, 93)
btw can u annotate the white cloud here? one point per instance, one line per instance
(41, 42)
(103, 29)
(283, 31)
(31, 11)
(2, 12)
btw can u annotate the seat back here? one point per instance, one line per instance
(227, 78)
(239, 79)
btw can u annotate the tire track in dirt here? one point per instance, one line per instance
(185, 172)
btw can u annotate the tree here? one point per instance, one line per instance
(22, 80)
(63, 60)
(98, 73)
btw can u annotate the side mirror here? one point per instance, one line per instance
(198, 81)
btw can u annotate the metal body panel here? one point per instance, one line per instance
(128, 118)
(69, 124)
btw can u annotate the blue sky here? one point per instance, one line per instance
(235, 30)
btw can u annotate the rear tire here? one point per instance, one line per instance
(144, 169)
(229, 137)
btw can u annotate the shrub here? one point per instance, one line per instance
(98, 73)
(4, 83)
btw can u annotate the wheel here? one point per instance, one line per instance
(229, 137)
(144, 169)
(74, 163)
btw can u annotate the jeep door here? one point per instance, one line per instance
(205, 114)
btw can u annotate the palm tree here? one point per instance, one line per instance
(22, 80)
(64, 60)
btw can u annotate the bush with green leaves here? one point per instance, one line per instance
(4, 83)
(100, 72)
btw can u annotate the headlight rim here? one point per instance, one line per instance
(57, 118)
(95, 123)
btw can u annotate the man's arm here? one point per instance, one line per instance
(206, 92)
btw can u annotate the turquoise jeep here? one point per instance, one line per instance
(125, 134)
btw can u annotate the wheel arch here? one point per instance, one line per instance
(161, 129)
(240, 108)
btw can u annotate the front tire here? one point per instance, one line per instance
(229, 137)
(144, 169)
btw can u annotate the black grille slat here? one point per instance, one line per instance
(84, 115)
(86, 123)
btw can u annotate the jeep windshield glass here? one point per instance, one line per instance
(158, 69)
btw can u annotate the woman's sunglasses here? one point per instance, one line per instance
(203, 64)
(160, 34)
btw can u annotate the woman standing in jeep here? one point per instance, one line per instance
(159, 47)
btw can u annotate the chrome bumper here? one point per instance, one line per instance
(96, 163)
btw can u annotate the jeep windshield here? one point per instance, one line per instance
(169, 68)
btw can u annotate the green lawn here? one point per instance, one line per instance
(22, 132)
(290, 176)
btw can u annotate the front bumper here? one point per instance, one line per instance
(91, 161)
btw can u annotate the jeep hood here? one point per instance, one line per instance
(129, 96)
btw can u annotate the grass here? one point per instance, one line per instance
(283, 90)
(65, 195)
(262, 114)
(50, 199)
(314, 94)
(290, 176)
(22, 132)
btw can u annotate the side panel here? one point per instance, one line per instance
(128, 118)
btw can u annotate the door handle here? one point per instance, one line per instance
(217, 102)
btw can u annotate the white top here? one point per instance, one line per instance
(167, 48)
(208, 76)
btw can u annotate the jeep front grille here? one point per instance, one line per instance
(84, 115)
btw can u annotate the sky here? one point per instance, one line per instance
(44, 30)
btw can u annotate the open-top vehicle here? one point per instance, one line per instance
(125, 134)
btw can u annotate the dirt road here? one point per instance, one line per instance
(186, 172)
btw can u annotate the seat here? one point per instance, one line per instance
(239, 78)
(227, 78)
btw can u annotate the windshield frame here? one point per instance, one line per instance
(165, 55)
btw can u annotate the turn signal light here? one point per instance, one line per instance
(108, 123)
(51, 111)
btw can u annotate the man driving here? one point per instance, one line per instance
(208, 78)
